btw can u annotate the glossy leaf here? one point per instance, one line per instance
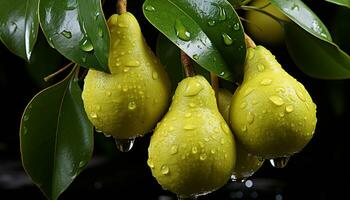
(302, 15)
(345, 3)
(315, 57)
(78, 30)
(56, 137)
(19, 25)
(208, 31)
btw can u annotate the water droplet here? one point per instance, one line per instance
(98, 130)
(121, 25)
(100, 32)
(25, 130)
(71, 5)
(244, 128)
(133, 63)
(193, 88)
(66, 34)
(224, 127)
(108, 93)
(82, 164)
(211, 22)
(279, 162)
(174, 149)
(300, 95)
(236, 179)
(126, 69)
(250, 118)
(98, 107)
(236, 26)
(181, 31)
(192, 105)
(289, 108)
(189, 127)
(222, 14)
(261, 67)
(221, 73)
(124, 145)
(248, 91)
(212, 151)
(97, 14)
(93, 115)
(132, 105)
(194, 150)
(295, 7)
(150, 8)
(154, 75)
(25, 118)
(164, 169)
(12, 27)
(266, 82)
(203, 156)
(278, 101)
(227, 39)
(250, 54)
(188, 115)
(86, 45)
(243, 105)
(150, 163)
(195, 56)
(222, 141)
(83, 59)
(281, 114)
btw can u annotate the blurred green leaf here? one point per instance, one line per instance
(345, 3)
(315, 57)
(19, 26)
(78, 30)
(208, 31)
(303, 16)
(56, 137)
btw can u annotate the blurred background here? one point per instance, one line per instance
(320, 171)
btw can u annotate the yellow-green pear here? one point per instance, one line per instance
(192, 151)
(271, 113)
(262, 27)
(132, 99)
(246, 163)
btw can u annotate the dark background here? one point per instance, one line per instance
(320, 171)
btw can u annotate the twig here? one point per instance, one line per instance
(249, 42)
(47, 78)
(187, 65)
(121, 6)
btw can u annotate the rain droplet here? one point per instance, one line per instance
(195, 56)
(244, 128)
(82, 164)
(133, 63)
(150, 8)
(281, 114)
(181, 31)
(243, 105)
(192, 105)
(250, 54)
(93, 115)
(188, 115)
(193, 88)
(295, 7)
(279, 162)
(211, 22)
(97, 14)
(154, 75)
(203, 156)
(86, 45)
(108, 93)
(98, 107)
(194, 150)
(99, 32)
(126, 69)
(121, 25)
(227, 39)
(300, 95)
(12, 27)
(222, 14)
(236, 26)
(25, 118)
(289, 108)
(266, 82)
(66, 34)
(189, 127)
(174, 149)
(250, 118)
(83, 59)
(124, 145)
(164, 170)
(25, 130)
(248, 91)
(150, 163)
(222, 74)
(222, 141)
(212, 151)
(224, 127)
(261, 67)
(278, 101)
(132, 105)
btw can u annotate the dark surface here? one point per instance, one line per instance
(320, 171)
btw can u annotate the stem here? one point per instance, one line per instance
(215, 85)
(187, 65)
(121, 6)
(47, 78)
(249, 42)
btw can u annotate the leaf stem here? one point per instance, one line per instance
(121, 6)
(187, 65)
(214, 80)
(249, 42)
(47, 78)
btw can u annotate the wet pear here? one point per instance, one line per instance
(132, 99)
(192, 150)
(271, 113)
(246, 163)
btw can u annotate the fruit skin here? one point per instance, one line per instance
(246, 163)
(132, 99)
(262, 27)
(271, 113)
(192, 150)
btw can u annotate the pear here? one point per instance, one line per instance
(133, 98)
(192, 150)
(246, 163)
(271, 113)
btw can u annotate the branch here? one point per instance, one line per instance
(187, 65)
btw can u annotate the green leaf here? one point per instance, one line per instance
(302, 15)
(315, 57)
(237, 3)
(208, 31)
(345, 3)
(19, 26)
(78, 30)
(56, 137)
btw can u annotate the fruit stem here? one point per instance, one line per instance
(187, 65)
(47, 78)
(121, 6)
(215, 85)
(249, 42)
